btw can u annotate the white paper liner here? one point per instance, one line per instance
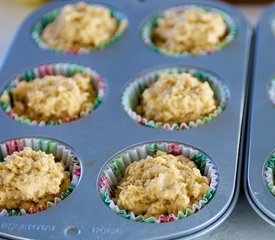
(269, 173)
(52, 15)
(131, 97)
(229, 38)
(60, 151)
(271, 91)
(64, 69)
(111, 176)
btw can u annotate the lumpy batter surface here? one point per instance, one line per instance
(191, 30)
(159, 185)
(31, 178)
(177, 98)
(80, 26)
(53, 97)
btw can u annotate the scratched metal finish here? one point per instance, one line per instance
(261, 143)
(109, 129)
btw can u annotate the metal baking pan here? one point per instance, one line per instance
(259, 143)
(108, 130)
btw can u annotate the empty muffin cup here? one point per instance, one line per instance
(115, 171)
(74, 92)
(22, 159)
(189, 30)
(63, 25)
(155, 110)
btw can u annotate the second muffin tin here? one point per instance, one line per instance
(108, 130)
(260, 146)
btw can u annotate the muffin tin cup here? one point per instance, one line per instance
(132, 94)
(53, 14)
(107, 130)
(61, 152)
(269, 173)
(116, 167)
(64, 69)
(152, 23)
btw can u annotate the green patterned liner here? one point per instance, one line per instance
(61, 153)
(146, 31)
(131, 97)
(114, 171)
(269, 173)
(53, 14)
(65, 69)
(271, 90)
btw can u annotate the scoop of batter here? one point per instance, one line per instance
(53, 97)
(177, 98)
(30, 178)
(158, 185)
(190, 30)
(80, 26)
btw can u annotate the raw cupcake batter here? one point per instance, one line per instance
(161, 185)
(191, 30)
(80, 26)
(177, 98)
(30, 178)
(53, 98)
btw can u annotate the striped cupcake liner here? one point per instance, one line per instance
(61, 152)
(271, 90)
(269, 173)
(53, 14)
(146, 31)
(132, 94)
(65, 69)
(114, 171)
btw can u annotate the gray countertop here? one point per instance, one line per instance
(243, 223)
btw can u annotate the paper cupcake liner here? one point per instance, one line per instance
(131, 98)
(61, 153)
(146, 31)
(271, 90)
(65, 69)
(115, 169)
(269, 173)
(53, 14)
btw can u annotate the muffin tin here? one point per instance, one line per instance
(259, 177)
(108, 130)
